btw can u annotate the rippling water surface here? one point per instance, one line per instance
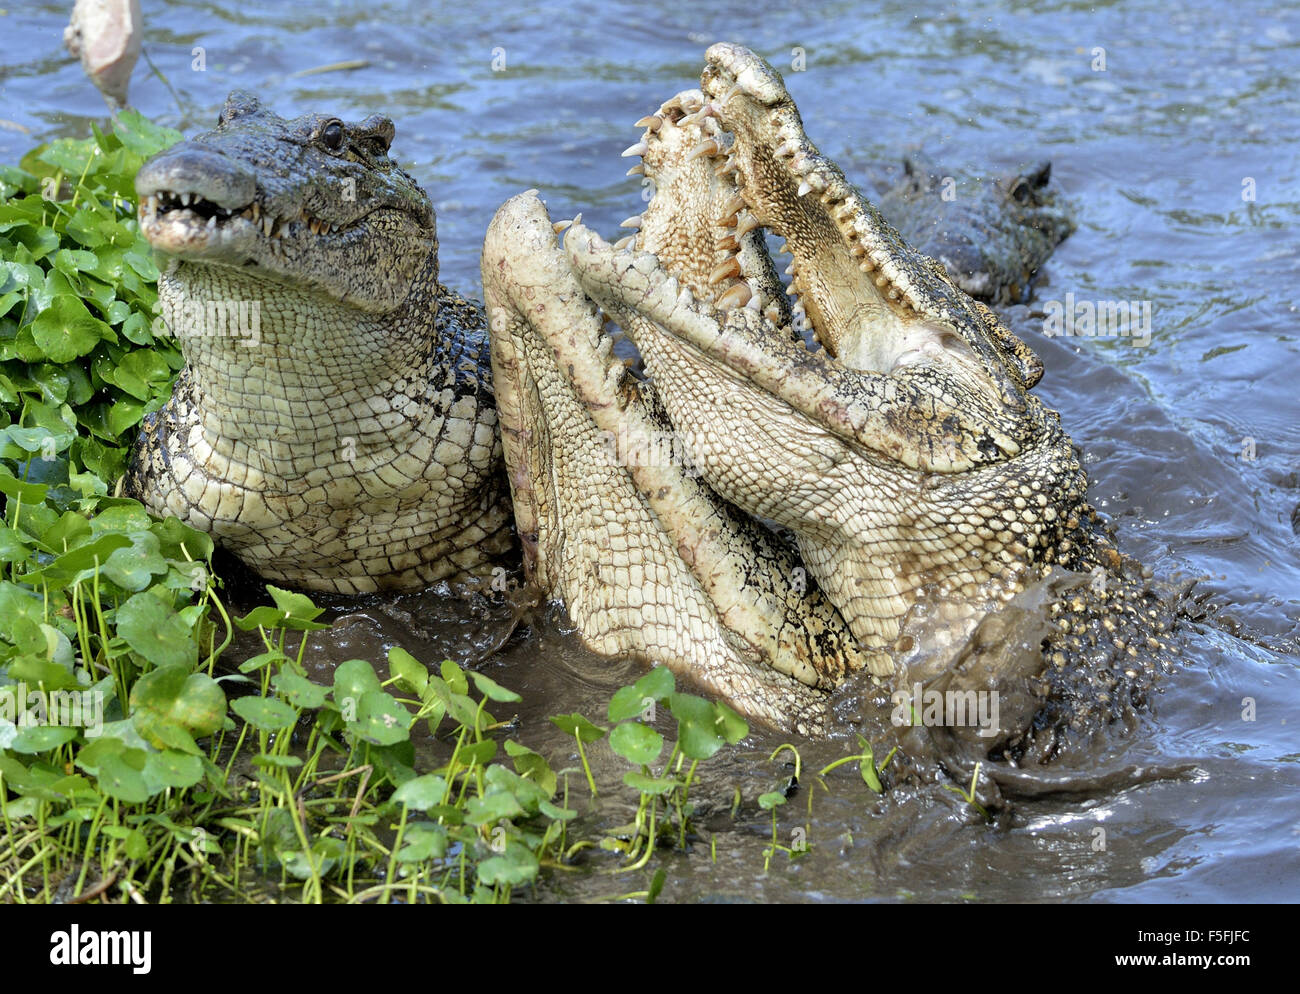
(1182, 157)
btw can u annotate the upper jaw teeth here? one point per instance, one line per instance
(272, 225)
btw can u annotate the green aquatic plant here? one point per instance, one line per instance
(127, 762)
(664, 808)
(136, 763)
(968, 795)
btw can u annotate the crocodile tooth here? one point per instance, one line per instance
(708, 147)
(185, 199)
(745, 226)
(724, 270)
(804, 187)
(725, 167)
(738, 296)
(212, 223)
(786, 148)
(625, 243)
(637, 170)
(756, 301)
(736, 88)
(640, 148)
(632, 222)
(881, 282)
(733, 206)
(652, 121)
(559, 226)
(699, 116)
(772, 313)
(789, 270)
(728, 244)
(267, 224)
(257, 212)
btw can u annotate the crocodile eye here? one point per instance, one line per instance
(1021, 191)
(332, 136)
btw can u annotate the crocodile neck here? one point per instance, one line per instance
(281, 375)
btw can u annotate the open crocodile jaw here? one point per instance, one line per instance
(874, 303)
(908, 451)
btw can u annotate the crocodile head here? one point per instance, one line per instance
(312, 203)
(890, 425)
(991, 233)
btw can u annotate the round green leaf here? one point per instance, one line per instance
(650, 785)
(421, 793)
(492, 690)
(300, 691)
(153, 629)
(171, 695)
(516, 866)
(41, 738)
(696, 730)
(266, 714)
(118, 778)
(381, 719)
(410, 672)
(170, 768)
(576, 724)
(636, 743)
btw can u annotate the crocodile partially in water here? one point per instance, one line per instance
(356, 446)
(885, 420)
(991, 233)
(340, 434)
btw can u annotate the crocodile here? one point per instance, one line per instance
(991, 233)
(386, 451)
(334, 424)
(884, 420)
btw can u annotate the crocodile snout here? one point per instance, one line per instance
(190, 170)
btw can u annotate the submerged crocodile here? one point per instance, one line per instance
(334, 424)
(990, 233)
(885, 419)
(355, 445)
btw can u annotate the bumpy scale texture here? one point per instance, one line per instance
(336, 430)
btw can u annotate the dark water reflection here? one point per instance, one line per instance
(1197, 104)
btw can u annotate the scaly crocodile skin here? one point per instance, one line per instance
(898, 441)
(342, 436)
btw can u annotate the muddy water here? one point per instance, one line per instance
(1176, 133)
